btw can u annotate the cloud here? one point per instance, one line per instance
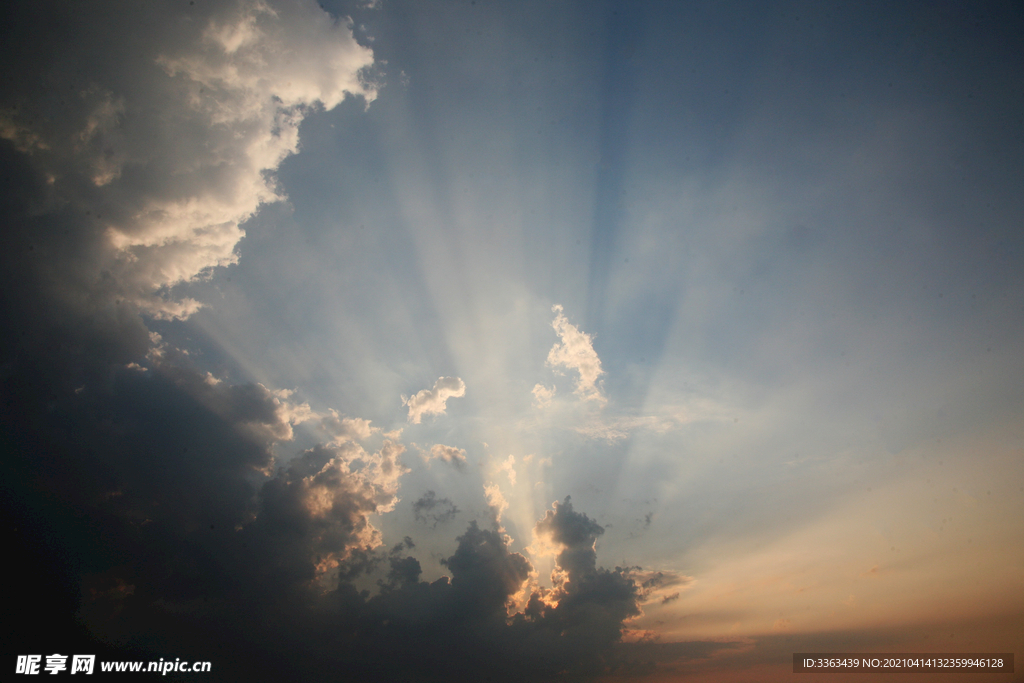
(319, 507)
(576, 352)
(655, 584)
(616, 429)
(564, 633)
(166, 144)
(159, 507)
(271, 567)
(250, 406)
(484, 574)
(495, 499)
(405, 571)
(508, 466)
(268, 414)
(573, 534)
(641, 526)
(433, 401)
(647, 520)
(449, 454)
(542, 396)
(347, 428)
(430, 508)
(673, 417)
(587, 604)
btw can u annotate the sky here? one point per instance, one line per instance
(512, 341)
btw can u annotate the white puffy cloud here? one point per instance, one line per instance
(347, 428)
(288, 413)
(495, 499)
(542, 395)
(576, 352)
(433, 401)
(449, 454)
(165, 147)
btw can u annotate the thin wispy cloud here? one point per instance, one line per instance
(428, 508)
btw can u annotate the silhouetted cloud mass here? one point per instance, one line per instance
(187, 476)
(150, 490)
(147, 495)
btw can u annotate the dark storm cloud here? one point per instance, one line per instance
(147, 511)
(156, 511)
(575, 533)
(316, 511)
(135, 482)
(153, 131)
(587, 602)
(460, 628)
(143, 491)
